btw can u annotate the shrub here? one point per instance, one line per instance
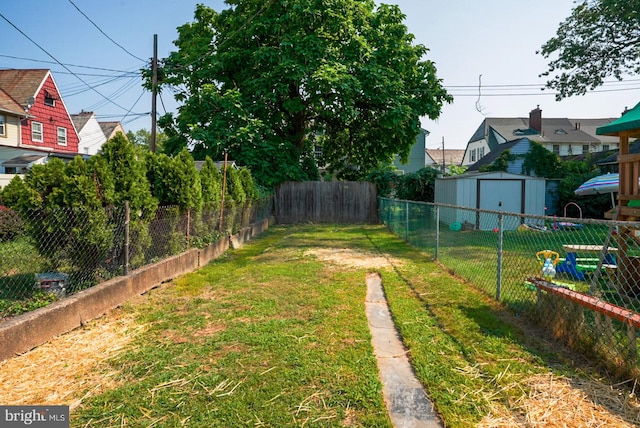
(11, 224)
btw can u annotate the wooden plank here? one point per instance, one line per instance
(613, 311)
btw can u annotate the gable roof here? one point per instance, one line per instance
(23, 85)
(81, 119)
(493, 154)
(110, 128)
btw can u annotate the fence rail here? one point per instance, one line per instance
(565, 274)
(49, 254)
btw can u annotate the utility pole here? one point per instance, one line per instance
(154, 92)
(443, 158)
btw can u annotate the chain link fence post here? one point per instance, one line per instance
(127, 215)
(499, 264)
(406, 223)
(437, 231)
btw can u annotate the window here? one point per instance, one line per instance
(49, 100)
(36, 132)
(585, 148)
(480, 153)
(556, 149)
(473, 155)
(605, 148)
(62, 136)
(3, 126)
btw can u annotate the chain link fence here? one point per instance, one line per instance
(577, 278)
(49, 254)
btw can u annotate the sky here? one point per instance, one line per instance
(484, 52)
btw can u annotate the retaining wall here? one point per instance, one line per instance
(29, 330)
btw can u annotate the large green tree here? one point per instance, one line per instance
(600, 39)
(267, 81)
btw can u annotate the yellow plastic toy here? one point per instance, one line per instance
(548, 259)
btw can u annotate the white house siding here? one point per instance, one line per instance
(475, 151)
(6, 178)
(91, 137)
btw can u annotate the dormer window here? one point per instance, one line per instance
(560, 132)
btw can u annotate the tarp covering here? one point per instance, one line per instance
(628, 123)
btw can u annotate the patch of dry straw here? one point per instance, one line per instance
(351, 258)
(67, 369)
(557, 401)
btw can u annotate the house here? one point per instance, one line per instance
(110, 129)
(35, 123)
(562, 136)
(90, 132)
(447, 157)
(518, 148)
(417, 156)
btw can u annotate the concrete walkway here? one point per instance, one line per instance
(406, 400)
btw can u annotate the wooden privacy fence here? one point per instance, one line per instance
(326, 202)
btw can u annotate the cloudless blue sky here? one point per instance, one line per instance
(494, 39)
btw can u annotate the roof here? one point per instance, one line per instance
(22, 161)
(451, 156)
(109, 128)
(81, 119)
(613, 158)
(554, 130)
(22, 85)
(493, 154)
(628, 123)
(9, 105)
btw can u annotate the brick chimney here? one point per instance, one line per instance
(535, 119)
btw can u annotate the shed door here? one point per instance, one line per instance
(499, 195)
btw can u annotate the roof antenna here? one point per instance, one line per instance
(478, 105)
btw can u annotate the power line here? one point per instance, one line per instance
(70, 65)
(56, 60)
(105, 34)
(134, 104)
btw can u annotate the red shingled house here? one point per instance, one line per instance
(42, 127)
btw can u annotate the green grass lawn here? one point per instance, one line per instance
(275, 334)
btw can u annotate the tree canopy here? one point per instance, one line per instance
(600, 39)
(270, 82)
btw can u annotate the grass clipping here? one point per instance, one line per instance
(67, 369)
(557, 401)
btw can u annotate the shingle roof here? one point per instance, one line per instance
(554, 130)
(22, 85)
(451, 156)
(493, 155)
(81, 119)
(9, 105)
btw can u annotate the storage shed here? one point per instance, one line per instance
(495, 191)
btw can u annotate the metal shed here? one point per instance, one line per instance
(495, 191)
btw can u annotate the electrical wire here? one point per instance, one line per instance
(69, 65)
(103, 33)
(56, 60)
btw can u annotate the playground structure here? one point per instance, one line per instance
(626, 127)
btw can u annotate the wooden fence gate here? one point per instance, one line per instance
(326, 202)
